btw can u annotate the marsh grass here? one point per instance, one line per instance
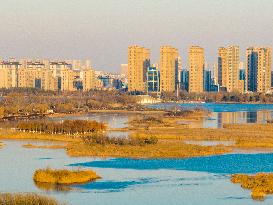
(63, 176)
(260, 184)
(31, 146)
(167, 149)
(27, 199)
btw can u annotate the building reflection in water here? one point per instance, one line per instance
(260, 116)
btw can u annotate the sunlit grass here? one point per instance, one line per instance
(260, 184)
(27, 199)
(66, 177)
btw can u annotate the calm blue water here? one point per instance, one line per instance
(194, 181)
(203, 180)
(214, 107)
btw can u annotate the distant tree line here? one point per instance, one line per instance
(65, 127)
(32, 101)
(235, 97)
(102, 139)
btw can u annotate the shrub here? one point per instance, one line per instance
(65, 127)
(106, 140)
(27, 199)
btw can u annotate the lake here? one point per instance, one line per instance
(202, 180)
(193, 181)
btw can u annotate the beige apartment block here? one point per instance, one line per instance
(138, 62)
(88, 79)
(9, 74)
(168, 69)
(67, 79)
(228, 68)
(196, 69)
(258, 69)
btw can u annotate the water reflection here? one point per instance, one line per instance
(226, 113)
(52, 187)
(218, 119)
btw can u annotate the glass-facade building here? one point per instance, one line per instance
(153, 79)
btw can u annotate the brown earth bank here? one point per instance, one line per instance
(260, 184)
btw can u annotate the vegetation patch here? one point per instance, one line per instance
(64, 177)
(27, 199)
(260, 184)
(101, 139)
(66, 127)
(162, 149)
(31, 146)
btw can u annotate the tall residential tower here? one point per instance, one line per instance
(228, 68)
(138, 62)
(258, 69)
(168, 69)
(196, 69)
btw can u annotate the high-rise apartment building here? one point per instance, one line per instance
(153, 79)
(258, 69)
(196, 69)
(168, 69)
(228, 68)
(215, 73)
(138, 62)
(184, 79)
(207, 80)
(88, 79)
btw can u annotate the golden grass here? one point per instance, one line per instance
(31, 146)
(27, 199)
(64, 177)
(18, 135)
(168, 122)
(260, 184)
(244, 135)
(167, 149)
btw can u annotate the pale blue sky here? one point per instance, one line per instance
(102, 29)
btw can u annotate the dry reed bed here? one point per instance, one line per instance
(64, 177)
(32, 146)
(160, 150)
(27, 199)
(244, 135)
(260, 184)
(13, 134)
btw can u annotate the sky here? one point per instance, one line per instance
(101, 30)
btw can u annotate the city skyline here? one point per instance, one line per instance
(77, 33)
